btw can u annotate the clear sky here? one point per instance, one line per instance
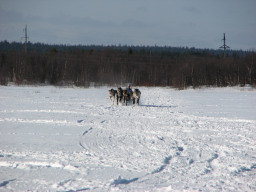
(191, 23)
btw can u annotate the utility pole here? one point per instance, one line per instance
(224, 46)
(25, 37)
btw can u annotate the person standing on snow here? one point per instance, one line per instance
(129, 90)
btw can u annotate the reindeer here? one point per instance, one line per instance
(112, 94)
(136, 95)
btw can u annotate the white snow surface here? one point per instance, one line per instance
(75, 139)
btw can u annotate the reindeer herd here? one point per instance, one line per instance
(124, 95)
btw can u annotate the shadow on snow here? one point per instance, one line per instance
(159, 106)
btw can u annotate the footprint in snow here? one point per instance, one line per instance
(80, 121)
(87, 131)
(119, 181)
(180, 148)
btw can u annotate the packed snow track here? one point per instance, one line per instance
(74, 139)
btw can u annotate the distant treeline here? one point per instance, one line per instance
(118, 65)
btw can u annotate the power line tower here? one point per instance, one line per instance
(224, 46)
(25, 37)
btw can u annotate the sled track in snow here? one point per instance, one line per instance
(150, 149)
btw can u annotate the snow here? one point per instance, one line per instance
(74, 139)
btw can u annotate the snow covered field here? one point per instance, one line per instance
(74, 139)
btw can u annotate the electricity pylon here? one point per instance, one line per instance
(224, 46)
(25, 37)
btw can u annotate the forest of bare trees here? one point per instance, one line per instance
(118, 65)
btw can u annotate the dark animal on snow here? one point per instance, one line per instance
(127, 96)
(136, 95)
(112, 93)
(119, 96)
